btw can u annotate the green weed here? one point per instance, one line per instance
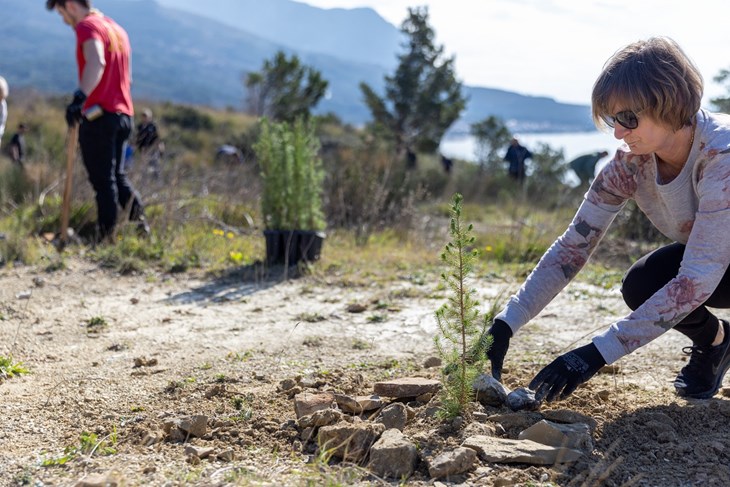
(89, 444)
(96, 324)
(9, 369)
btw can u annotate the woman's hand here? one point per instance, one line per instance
(501, 333)
(566, 373)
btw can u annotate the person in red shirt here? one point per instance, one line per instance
(102, 105)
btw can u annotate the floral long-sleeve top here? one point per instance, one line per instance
(693, 209)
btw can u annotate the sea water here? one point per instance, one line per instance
(573, 144)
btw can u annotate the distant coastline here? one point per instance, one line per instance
(573, 144)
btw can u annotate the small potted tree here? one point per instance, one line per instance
(291, 203)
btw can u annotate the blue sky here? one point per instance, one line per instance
(557, 48)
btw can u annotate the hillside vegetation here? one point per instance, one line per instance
(199, 197)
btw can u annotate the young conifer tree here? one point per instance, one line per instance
(462, 343)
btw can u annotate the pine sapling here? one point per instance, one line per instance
(462, 343)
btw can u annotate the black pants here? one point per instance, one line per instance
(656, 269)
(102, 142)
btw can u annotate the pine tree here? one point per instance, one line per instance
(423, 97)
(284, 89)
(463, 342)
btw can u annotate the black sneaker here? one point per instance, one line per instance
(702, 377)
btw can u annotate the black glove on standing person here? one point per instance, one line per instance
(73, 110)
(567, 372)
(501, 333)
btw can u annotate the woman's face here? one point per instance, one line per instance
(647, 138)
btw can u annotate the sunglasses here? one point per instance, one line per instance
(626, 119)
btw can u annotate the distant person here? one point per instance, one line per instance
(229, 154)
(585, 166)
(446, 163)
(411, 159)
(3, 106)
(102, 107)
(516, 155)
(149, 146)
(16, 149)
(674, 164)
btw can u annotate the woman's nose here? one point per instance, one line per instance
(620, 131)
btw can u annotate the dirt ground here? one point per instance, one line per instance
(116, 356)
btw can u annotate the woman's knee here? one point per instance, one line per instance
(634, 289)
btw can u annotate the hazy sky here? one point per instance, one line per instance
(558, 47)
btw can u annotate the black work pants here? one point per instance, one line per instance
(654, 271)
(102, 143)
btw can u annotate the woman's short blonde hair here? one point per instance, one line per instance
(3, 88)
(653, 77)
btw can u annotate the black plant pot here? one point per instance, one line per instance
(288, 247)
(310, 244)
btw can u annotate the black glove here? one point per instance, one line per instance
(501, 333)
(567, 372)
(73, 110)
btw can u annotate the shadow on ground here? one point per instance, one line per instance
(236, 284)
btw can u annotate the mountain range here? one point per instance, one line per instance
(188, 51)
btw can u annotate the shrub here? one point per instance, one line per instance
(292, 176)
(368, 190)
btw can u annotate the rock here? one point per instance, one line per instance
(293, 391)
(576, 436)
(196, 425)
(452, 462)
(286, 384)
(307, 433)
(306, 403)
(522, 398)
(489, 391)
(502, 450)
(311, 382)
(198, 451)
(179, 429)
(481, 417)
(568, 416)
(349, 441)
(410, 414)
(431, 362)
(356, 308)
(226, 456)
(324, 417)
(517, 421)
(407, 387)
(215, 390)
(393, 455)
(358, 404)
(111, 479)
(424, 398)
(477, 428)
(394, 416)
(144, 362)
(24, 295)
(148, 437)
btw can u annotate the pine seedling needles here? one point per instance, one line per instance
(462, 343)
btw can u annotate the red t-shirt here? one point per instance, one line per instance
(113, 92)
